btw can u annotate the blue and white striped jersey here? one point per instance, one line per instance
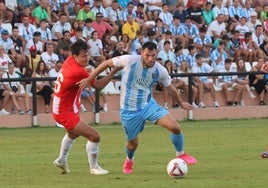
(137, 82)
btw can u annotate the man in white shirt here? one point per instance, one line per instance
(49, 57)
(217, 28)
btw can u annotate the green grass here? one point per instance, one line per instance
(228, 153)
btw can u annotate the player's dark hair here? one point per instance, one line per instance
(78, 46)
(149, 45)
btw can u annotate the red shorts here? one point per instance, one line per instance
(68, 120)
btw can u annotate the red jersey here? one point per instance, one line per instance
(66, 100)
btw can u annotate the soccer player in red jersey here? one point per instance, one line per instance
(66, 103)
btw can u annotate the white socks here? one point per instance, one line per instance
(66, 146)
(92, 149)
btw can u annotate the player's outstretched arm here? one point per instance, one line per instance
(104, 65)
(101, 83)
(174, 93)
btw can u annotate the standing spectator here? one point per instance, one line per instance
(60, 26)
(17, 89)
(102, 26)
(49, 57)
(202, 82)
(42, 87)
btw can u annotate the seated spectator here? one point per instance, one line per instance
(7, 43)
(202, 83)
(203, 43)
(60, 26)
(137, 43)
(165, 15)
(102, 26)
(249, 50)
(4, 61)
(191, 56)
(179, 57)
(150, 36)
(180, 12)
(88, 29)
(220, 9)
(119, 50)
(208, 14)
(217, 28)
(78, 35)
(5, 96)
(17, 89)
(184, 68)
(63, 47)
(84, 13)
(154, 7)
(159, 28)
(109, 46)
(18, 47)
(243, 79)
(26, 30)
(178, 83)
(126, 43)
(167, 53)
(129, 11)
(253, 22)
(45, 32)
(195, 14)
(49, 57)
(42, 87)
(27, 12)
(167, 36)
(229, 81)
(141, 16)
(235, 12)
(31, 62)
(96, 49)
(42, 12)
(54, 72)
(36, 42)
(218, 57)
(98, 8)
(257, 81)
(242, 27)
(130, 28)
(177, 30)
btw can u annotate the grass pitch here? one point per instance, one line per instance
(228, 154)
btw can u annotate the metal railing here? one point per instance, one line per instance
(97, 93)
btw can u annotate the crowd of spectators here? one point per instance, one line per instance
(192, 36)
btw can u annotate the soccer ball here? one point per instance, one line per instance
(177, 168)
